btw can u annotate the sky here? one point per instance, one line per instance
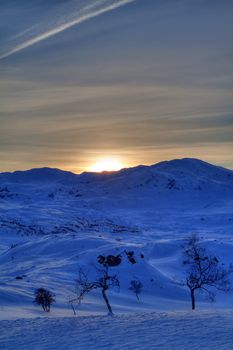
(135, 81)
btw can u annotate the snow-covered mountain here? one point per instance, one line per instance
(180, 168)
(53, 222)
(173, 179)
(174, 187)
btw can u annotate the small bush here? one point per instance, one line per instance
(44, 298)
(136, 287)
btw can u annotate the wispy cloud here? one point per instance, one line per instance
(68, 17)
(149, 82)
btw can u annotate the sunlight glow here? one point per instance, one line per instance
(106, 164)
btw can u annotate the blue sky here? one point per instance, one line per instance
(141, 81)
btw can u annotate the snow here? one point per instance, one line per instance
(52, 223)
(144, 331)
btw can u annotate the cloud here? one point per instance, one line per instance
(145, 83)
(64, 21)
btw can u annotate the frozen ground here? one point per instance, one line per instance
(52, 223)
(168, 331)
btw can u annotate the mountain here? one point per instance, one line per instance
(42, 175)
(170, 180)
(51, 200)
(176, 174)
(188, 167)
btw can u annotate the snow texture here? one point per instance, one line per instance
(180, 331)
(52, 223)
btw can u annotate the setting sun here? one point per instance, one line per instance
(106, 164)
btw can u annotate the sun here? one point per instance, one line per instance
(106, 164)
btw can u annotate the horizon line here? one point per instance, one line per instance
(115, 171)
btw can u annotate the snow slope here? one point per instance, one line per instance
(52, 223)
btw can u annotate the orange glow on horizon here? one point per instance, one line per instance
(106, 164)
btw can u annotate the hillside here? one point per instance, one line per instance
(54, 222)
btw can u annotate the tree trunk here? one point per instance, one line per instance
(193, 299)
(72, 306)
(106, 301)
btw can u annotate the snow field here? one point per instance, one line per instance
(144, 331)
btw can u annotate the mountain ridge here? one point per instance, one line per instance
(43, 173)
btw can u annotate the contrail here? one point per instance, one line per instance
(95, 9)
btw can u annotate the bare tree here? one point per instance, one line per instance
(44, 298)
(136, 287)
(104, 283)
(204, 272)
